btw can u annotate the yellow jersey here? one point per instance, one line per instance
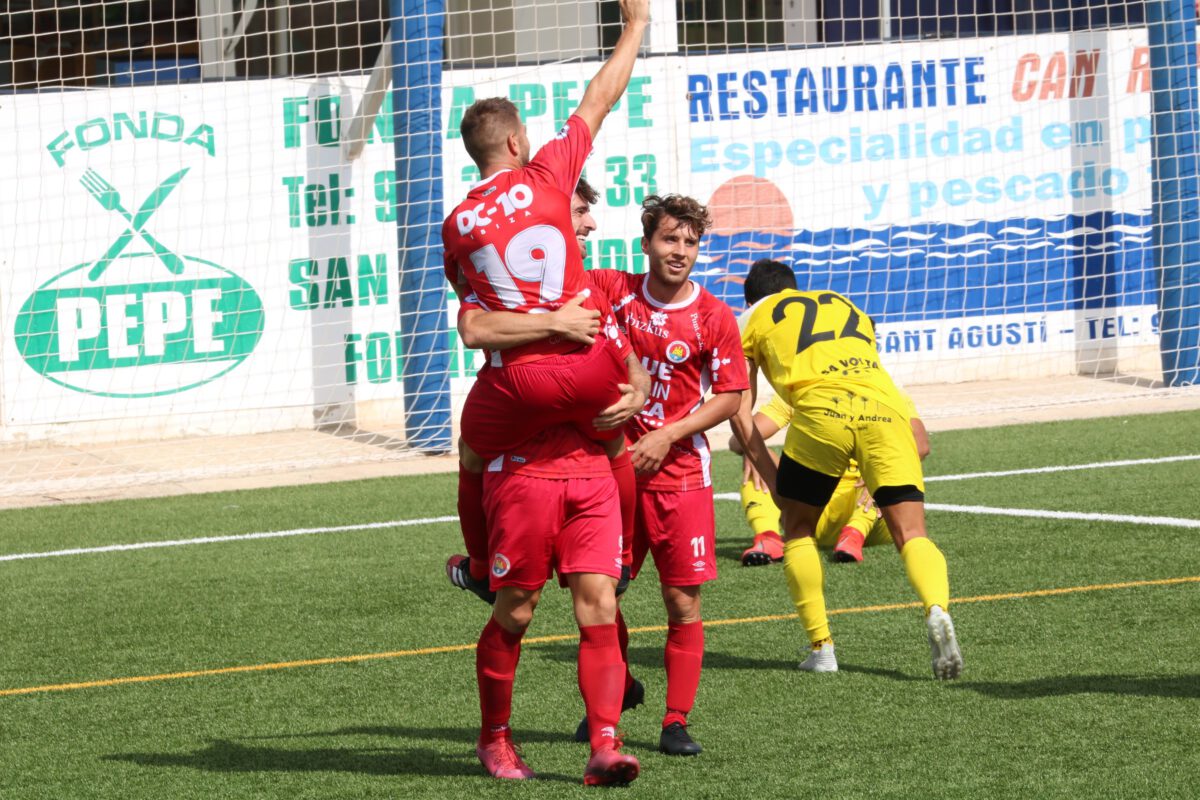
(803, 340)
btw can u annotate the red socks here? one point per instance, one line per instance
(600, 683)
(622, 470)
(496, 658)
(623, 643)
(473, 521)
(682, 658)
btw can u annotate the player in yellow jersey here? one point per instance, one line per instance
(817, 350)
(849, 522)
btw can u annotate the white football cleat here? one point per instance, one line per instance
(820, 659)
(943, 644)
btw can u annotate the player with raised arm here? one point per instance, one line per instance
(499, 330)
(817, 349)
(688, 341)
(506, 244)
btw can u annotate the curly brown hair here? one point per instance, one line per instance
(688, 211)
(485, 126)
(587, 191)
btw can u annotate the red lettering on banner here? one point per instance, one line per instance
(1057, 78)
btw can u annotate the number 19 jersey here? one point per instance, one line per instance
(801, 340)
(512, 239)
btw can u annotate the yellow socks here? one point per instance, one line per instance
(806, 584)
(760, 510)
(926, 568)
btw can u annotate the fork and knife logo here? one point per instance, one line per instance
(107, 196)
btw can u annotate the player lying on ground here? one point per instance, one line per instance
(849, 522)
(817, 350)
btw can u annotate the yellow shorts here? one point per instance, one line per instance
(831, 426)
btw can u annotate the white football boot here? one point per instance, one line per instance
(821, 659)
(943, 645)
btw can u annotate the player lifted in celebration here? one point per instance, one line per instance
(818, 351)
(508, 244)
(500, 330)
(688, 341)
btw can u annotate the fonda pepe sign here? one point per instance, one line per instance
(108, 326)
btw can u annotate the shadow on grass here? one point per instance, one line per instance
(651, 658)
(230, 756)
(1187, 686)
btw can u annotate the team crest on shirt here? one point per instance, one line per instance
(501, 565)
(678, 352)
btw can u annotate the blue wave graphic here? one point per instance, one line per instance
(935, 271)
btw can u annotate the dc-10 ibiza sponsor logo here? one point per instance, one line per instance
(138, 323)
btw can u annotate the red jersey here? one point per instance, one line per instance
(688, 348)
(512, 239)
(560, 452)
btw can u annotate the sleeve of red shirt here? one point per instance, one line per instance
(729, 374)
(454, 273)
(600, 298)
(561, 159)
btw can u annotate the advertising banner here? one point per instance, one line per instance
(195, 252)
(984, 200)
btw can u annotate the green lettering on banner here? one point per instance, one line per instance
(306, 295)
(461, 99)
(373, 279)
(638, 101)
(203, 136)
(529, 98)
(381, 353)
(99, 131)
(329, 120)
(168, 127)
(565, 101)
(79, 329)
(121, 119)
(295, 114)
(386, 192)
(337, 284)
(613, 255)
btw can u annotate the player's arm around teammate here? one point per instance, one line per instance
(497, 330)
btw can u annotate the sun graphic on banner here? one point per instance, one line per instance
(752, 219)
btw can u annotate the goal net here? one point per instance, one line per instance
(223, 257)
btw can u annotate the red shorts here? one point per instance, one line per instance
(538, 525)
(679, 529)
(508, 405)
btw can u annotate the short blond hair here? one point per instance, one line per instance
(485, 126)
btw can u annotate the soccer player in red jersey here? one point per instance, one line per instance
(479, 328)
(552, 506)
(689, 342)
(507, 245)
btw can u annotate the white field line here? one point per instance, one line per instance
(1172, 522)
(1136, 462)
(401, 523)
(241, 537)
